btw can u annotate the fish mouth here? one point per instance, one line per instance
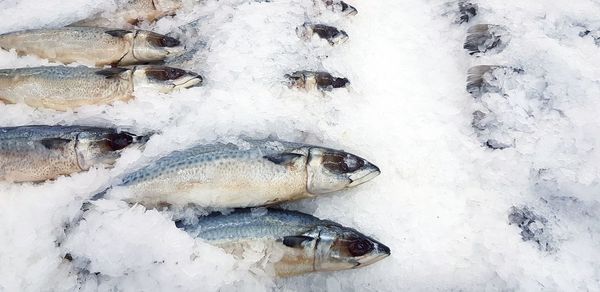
(175, 51)
(368, 173)
(381, 252)
(352, 11)
(195, 80)
(340, 38)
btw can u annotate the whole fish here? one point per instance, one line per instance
(64, 88)
(329, 33)
(311, 80)
(133, 12)
(287, 242)
(95, 45)
(38, 153)
(255, 173)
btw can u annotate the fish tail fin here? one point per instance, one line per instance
(85, 206)
(485, 37)
(475, 79)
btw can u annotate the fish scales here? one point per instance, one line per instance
(69, 45)
(61, 87)
(219, 176)
(241, 225)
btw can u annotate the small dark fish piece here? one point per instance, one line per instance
(340, 7)
(483, 38)
(533, 227)
(329, 33)
(289, 242)
(311, 80)
(38, 153)
(466, 10)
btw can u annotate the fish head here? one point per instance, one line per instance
(341, 248)
(347, 9)
(150, 46)
(333, 170)
(165, 79)
(310, 80)
(341, 7)
(327, 82)
(103, 147)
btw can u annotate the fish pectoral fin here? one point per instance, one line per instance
(283, 158)
(296, 241)
(118, 33)
(55, 143)
(110, 73)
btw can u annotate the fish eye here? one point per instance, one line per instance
(165, 73)
(359, 247)
(119, 141)
(342, 163)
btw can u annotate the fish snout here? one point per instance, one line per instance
(174, 51)
(366, 173)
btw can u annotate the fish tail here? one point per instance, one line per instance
(485, 37)
(475, 80)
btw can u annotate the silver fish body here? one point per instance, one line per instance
(95, 45)
(256, 173)
(63, 88)
(131, 12)
(38, 153)
(288, 243)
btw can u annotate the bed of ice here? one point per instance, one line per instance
(456, 214)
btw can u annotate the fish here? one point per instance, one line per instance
(483, 38)
(93, 45)
(41, 152)
(253, 173)
(342, 7)
(310, 80)
(466, 11)
(64, 88)
(132, 12)
(329, 33)
(288, 243)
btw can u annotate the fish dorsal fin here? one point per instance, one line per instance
(109, 73)
(118, 33)
(283, 158)
(55, 143)
(296, 241)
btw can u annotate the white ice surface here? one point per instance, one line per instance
(442, 201)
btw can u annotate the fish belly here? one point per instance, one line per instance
(222, 184)
(269, 256)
